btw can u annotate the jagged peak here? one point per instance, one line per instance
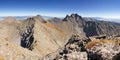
(73, 17)
(66, 18)
(40, 18)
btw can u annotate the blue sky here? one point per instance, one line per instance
(59, 8)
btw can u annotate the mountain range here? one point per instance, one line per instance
(70, 38)
(117, 20)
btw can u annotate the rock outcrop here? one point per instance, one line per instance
(103, 50)
(74, 49)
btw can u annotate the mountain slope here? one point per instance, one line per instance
(35, 34)
(41, 37)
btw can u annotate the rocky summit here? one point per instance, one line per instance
(70, 38)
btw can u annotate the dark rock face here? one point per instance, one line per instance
(26, 33)
(93, 28)
(90, 28)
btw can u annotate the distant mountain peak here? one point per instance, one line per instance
(40, 18)
(10, 18)
(72, 17)
(75, 15)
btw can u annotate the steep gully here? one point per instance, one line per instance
(26, 33)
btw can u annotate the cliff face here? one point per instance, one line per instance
(40, 37)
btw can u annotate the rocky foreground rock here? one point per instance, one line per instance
(86, 49)
(71, 38)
